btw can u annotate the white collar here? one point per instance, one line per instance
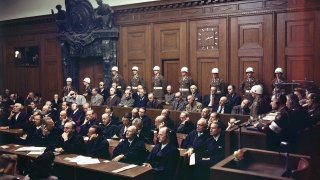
(216, 138)
(163, 146)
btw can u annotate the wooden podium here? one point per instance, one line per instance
(261, 165)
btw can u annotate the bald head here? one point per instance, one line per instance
(131, 133)
(201, 125)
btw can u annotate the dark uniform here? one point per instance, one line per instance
(219, 84)
(118, 79)
(247, 84)
(66, 90)
(158, 85)
(259, 106)
(277, 85)
(135, 81)
(184, 85)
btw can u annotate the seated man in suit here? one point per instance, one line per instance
(195, 93)
(131, 150)
(88, 122)
(143, 133)
(186, 126)
(140, 98)
(122, 128)
(211, 100)
(196, 143)
(77, 114)
(114, 118)
(72, 143)
(74, 97)
(97, 146)
(223, 107)
(153, 103)
(108, 129)
(179, 104)
(193, 106)
(214, 152)
(128, 101)
(17, 118)
(113, 99)
(169, 96)
(168, 121)
(164, 157)
(146, 121)
(243, 108)
(159, 123)
(96, 98)
(234, 99)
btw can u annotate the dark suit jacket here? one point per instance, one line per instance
(181, 106)
(112, 101)
(78, 116)
(227, 109)
(84, 128)
(206, 101)
(233, 99)
(104, 93)
(199, 144)
(197, 97)
(120, 132)
(115, 120)
(18, 123)
(98, 148)
(74, 145)
(140, 102)
(134, 153)
(109, 130)
(155, 104)
(164, 161)
(50, 141)
(186, 128)
(215, 151)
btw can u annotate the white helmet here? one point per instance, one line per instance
(257, 89)
(156, 68)
(135, 68)
(215, 71)
(114, 68)
(69, 79)
(249, 69)
(87, 80)
(278, 70)
(184, 69)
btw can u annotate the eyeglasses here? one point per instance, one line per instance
(177, 97)
(71, 94)
(100, 84)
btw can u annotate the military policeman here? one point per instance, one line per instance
(158, 83)
(118, 79)
(259, 105)
(277, 83)
(217, 82)
(87, 90)
(135, 80)
(185, 82)
(248, 83)
(67, 88)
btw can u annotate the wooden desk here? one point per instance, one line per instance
(9, 135)
(249, 139)
(256, 165)
(69, 170)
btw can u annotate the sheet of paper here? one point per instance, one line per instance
(124, 168)
(85, 138)
(31, 148)
(192, 159)
(83, 160)
(4, 147)
(106, 161)
(35, 153)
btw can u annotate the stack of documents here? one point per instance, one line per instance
(33, 150)
(83, 160)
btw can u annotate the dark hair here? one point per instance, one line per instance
(98, 129)
(126, 115)
(41, 167)
(282, 99)
(109, 107)
(294, 100)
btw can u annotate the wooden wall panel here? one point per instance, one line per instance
(171, 73)
(299, 42)
(2, 66)
(208, 49)
(251, 44)
(136, 47)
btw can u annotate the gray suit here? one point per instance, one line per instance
(96, 100)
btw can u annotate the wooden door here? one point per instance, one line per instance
(171, 72)
(90, 67)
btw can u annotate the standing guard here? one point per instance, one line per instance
(248, 83)
(67, 88)
(185, 82)
(217, 82)
(158, 83)
(135, 80)
(277, 84)
(118, 79)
